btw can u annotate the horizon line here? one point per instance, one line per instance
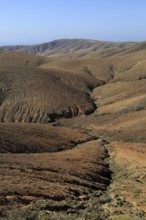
(61, 39)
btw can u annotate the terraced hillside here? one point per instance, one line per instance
(72, 132)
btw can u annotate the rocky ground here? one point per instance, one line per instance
(123, 198)
(127, 191)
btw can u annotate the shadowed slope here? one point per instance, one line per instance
(32, 138)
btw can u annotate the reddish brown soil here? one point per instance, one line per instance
(60, 176)
(37, 138)
(52, 168)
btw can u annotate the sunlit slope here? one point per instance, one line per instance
(71, 47)
(32, 94)
(121, 101)
(50, 164)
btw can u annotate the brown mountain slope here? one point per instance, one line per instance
(35, 175)
(120, 118)
(73, 47)
(74, 183)
(32, 94)
(34, 138)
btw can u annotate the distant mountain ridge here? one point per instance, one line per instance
(80, 47)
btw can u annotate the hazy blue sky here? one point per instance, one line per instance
(38, 21)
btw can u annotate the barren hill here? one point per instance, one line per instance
(72, 131)
(77, 47)
(32, 94)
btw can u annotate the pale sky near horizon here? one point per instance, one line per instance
(39, 21)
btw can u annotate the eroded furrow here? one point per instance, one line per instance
(60, 190)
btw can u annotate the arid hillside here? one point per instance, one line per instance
(73, 47)
(32, 94)
(73, 131)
